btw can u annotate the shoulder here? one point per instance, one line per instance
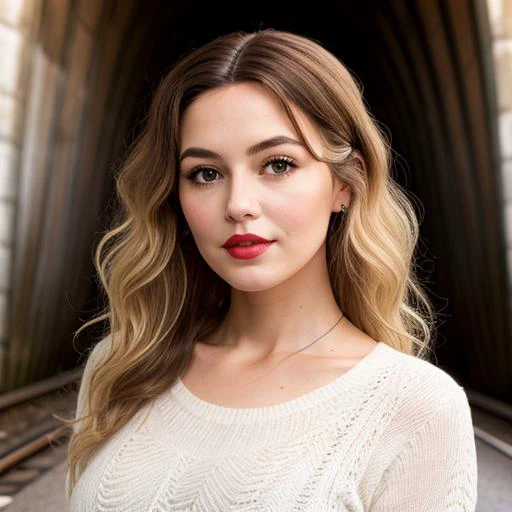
(99, 351)
(427, 448)
(424, 390)
(96, 356)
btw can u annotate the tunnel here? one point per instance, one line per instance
(425, 69)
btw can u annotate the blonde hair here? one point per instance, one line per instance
(161, 295)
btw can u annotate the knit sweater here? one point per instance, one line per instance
(394, 433)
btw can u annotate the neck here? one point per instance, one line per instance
(284, 318)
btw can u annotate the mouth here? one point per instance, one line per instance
(248, 244)
(248, 251)
(244, 240)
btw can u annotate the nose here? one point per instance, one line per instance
(242, 199)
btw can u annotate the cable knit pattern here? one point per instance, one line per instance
(394, 433)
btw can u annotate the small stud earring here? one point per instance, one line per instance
(343, 209)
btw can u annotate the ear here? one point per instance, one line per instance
(342, 193)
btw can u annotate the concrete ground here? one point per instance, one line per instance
(46, 493)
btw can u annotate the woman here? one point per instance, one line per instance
(266, 342)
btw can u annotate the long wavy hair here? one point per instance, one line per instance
(161, 295)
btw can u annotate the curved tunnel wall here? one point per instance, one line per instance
(85, 84)
(427, 75)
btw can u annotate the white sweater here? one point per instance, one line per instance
(394, 433)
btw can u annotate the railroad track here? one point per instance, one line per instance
(32, 441)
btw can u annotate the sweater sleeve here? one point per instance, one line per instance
(436, 468)
(97, 354)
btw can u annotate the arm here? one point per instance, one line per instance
(436, 469)
(98, 353)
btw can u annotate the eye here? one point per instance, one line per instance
(284, 161)
(288, 162)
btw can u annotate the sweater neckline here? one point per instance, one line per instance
(221, 414)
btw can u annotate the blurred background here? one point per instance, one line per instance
(76, 79)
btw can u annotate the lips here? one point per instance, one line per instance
(248, 252)
(235, 240)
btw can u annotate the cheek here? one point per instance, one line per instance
(188, 203)
(200, 215)
(199, 219)
(305, 207)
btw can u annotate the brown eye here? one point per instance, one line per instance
(208, 174)
(285, 162)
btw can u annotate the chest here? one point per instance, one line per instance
(216, 379)
(165, 466)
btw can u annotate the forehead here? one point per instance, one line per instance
(245, 113)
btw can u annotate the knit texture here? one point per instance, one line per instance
(393, 433)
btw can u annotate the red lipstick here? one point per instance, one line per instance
(245, 252)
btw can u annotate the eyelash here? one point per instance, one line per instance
(275, 159)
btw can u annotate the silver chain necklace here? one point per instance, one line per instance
(304, 348)
(293, 353)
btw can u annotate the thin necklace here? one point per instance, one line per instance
(293, 353)
(304, 348)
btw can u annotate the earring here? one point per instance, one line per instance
(343, 209)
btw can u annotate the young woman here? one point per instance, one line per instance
(267, 333)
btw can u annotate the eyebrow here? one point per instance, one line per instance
(260, 146)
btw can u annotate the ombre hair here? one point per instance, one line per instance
(161, 295)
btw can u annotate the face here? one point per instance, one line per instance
(280, 193)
